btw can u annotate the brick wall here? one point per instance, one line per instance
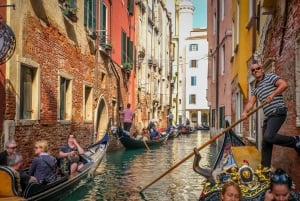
(55, 53)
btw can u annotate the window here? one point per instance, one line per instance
(88, 103)
(65, 98)
(130, 6)
(223, 60)
(126, 49)
(103, 24)
(222, 117)
(29, 93)
(193, 64)
(214, 70)
(251, 5)
(123, 47)
(192, 99)
(90, 15)
(237, 23)
(233, 39)
(213, 118)
(194, 117)
(215, 24)
(223, 9)
(193, 47)
(193, 81)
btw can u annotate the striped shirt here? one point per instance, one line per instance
(264, 88)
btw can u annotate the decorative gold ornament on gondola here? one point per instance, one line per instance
(7, 42)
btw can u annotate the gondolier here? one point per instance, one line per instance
(269, 88)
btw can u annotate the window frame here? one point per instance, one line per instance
(67, 117)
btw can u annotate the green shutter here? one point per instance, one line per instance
(123, 51)
(130, 51)
(130, 6)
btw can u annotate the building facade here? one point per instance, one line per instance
(196, 108)
(67, 74)
(219, 32)
(153, 79)
(77, 64)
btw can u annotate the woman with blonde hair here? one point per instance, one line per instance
(231, 192)
(43, 165)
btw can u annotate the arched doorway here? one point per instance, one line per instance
(101, 120)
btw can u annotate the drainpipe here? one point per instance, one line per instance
(284, 25)
(217, 63)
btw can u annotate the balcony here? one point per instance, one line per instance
(105, 45)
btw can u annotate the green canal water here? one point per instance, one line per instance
(123, 173)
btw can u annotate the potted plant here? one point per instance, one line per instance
(127, 66)
(69, 9)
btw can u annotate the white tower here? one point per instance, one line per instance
(186, 11)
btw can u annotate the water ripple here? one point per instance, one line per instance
(122, 174)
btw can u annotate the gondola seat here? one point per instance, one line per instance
(8, 182)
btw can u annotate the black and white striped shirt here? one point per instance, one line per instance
(264, 88)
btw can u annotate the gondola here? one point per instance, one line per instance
(239, 163)
(132, 143)
(171, 131)
(62, 185)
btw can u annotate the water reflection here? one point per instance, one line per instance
(122, 174)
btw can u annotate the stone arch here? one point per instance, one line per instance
(101, 119)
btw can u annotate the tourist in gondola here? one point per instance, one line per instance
(71, 151)
(10, 149)
(15, 163)
(280, 187)
(43, 165)
(269, 88)
(146, 134)
(154, 134)
(231, 192)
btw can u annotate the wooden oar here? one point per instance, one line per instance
(145, 143)
(201, 147)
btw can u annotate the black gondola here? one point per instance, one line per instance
(61, 186)
(239, 163)
(132, 143)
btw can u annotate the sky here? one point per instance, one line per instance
(200, 14)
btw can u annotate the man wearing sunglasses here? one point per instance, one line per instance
(10, 148)
(269, 88)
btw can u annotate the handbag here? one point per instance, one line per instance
(74, 158)
(51, 178)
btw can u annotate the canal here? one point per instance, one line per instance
(123, 173)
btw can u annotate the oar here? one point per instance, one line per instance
(201, 147)
(145, 143)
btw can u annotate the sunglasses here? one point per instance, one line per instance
(255, 69)
(280, 178)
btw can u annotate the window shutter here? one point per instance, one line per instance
(124, 52)
(26, 98)
(62, 98)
